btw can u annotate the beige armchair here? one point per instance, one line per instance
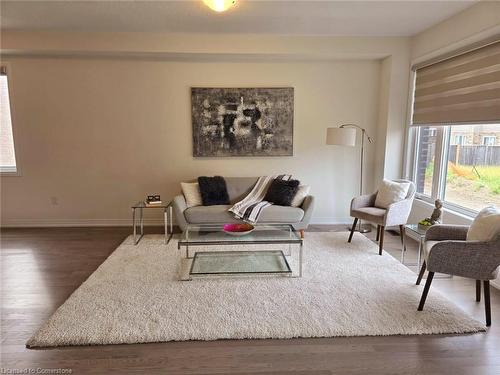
(447, 251)
(363, 208)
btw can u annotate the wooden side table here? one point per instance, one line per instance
(167, 219)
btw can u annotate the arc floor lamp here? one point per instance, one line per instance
(345, 135)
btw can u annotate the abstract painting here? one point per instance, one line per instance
(242, 121)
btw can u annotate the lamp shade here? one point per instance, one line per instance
(341, 136)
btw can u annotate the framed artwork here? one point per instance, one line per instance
(242, 121)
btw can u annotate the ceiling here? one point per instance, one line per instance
(340, 18)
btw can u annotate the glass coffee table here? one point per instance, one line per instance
(208, 248)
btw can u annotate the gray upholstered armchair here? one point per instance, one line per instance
(363, 208)
(447, 251)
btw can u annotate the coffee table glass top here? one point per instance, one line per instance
(214, 234)
(240, 262)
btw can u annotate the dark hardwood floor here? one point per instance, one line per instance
(40, 268)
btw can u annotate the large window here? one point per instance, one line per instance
(459, 164)
(7, 153)
(456, 127)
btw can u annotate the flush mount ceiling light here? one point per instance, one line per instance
(219, 5)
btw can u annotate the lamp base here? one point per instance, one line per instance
(365, 228)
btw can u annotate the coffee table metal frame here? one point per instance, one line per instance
(167, 220)
(243, 240)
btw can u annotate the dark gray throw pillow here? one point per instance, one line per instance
(281, 192)
(213, 190)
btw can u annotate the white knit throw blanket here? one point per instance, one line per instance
(250, 208)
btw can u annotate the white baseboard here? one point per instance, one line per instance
(26, 223)
(331, 220)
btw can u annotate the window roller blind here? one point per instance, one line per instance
(460, 90)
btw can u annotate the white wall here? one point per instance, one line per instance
(100, 132)
(478, 19)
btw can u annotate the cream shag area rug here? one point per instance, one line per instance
(346, 290)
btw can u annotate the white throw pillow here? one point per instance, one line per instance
(391, 192)
(485, 226)
(301, 194)
(192, 194)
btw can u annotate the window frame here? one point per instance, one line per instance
(485, 137)
(443, 138)
(462, 139)
(15, 132)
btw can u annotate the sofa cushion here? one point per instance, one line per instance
(220, 214)
(213, 190)
(281, 214)
(191, 192)
(209, 214)
(281, 192)
(239, 187)
(300, 195)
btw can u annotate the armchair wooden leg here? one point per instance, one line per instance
(478, 290)
(426, 291)
(301, 233)
(487, 305)
(421, 273)
(381, 243)
(378, 233)
(352, 229)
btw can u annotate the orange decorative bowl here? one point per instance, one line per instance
(238, 229)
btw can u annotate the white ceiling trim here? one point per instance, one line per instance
(195, 56)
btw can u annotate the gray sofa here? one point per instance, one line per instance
(238, 188)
